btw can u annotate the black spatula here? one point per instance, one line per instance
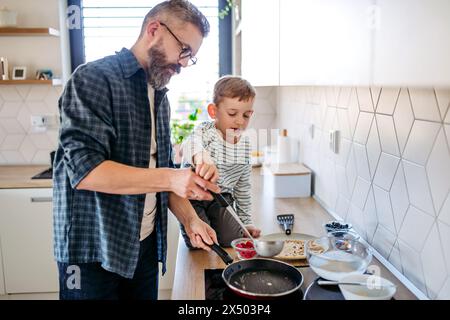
(286, 221)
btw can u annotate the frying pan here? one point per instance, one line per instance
(259, 278)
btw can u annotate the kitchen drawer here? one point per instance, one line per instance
(2, 283)
(27, 241)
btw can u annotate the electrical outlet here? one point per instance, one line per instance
(334, 141)
(37, 121)
(41, 123)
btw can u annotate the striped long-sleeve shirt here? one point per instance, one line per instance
(232, 161)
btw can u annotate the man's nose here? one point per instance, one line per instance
(184, 62)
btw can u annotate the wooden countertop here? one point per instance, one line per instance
(13, 177)
(309, 218)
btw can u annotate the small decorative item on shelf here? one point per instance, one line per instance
(19, 73)
(4, 73)
(7, 18)
(44, 74)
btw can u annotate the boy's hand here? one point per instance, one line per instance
(254, 231)
(205, 167)
(208, 172)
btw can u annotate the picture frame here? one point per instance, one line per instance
(19, 73)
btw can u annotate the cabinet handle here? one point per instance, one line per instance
(41, 199)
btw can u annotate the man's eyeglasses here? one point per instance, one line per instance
(186, 51)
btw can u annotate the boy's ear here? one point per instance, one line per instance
(212, 110)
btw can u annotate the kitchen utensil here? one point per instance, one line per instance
(316, 292)
(259, 278)
(264, 248)
(286, 221)
(332, 260)
(283, 236)
(373, 287)
(335, 283)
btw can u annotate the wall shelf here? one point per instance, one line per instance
(29, 32)
(54, 82)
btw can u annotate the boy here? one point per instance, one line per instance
(221, 154)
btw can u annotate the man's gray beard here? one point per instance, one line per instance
(157, 71)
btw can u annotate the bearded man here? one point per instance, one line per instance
(114, 179)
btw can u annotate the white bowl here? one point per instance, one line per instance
(372, 291)
(333, 258)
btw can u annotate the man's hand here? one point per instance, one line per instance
(200, 233)
(187, 184)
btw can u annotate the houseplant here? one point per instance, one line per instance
(180, 129)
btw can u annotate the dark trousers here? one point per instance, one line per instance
(227, 229)
(89, 281)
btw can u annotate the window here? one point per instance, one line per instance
(107, 26)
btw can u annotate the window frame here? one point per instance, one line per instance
(76, 36)
(77, 47)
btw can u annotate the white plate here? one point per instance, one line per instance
(283, 236)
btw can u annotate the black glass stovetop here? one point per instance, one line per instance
(216, 289)
(46, 174)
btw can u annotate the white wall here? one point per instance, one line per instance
(18, 143)
(391, 177)
(265, 115)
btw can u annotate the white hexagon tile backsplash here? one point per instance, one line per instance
(391, 177)
(19, 144)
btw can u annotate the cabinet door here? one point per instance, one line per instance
(412, 43)
(27, 241)
(2, 283)
(325, 42)
(260, 42)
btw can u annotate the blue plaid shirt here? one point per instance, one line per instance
(105, 115)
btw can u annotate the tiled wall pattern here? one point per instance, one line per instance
(265, 114)
(391, 176)
(19, 144)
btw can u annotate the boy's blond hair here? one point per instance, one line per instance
(233, 87)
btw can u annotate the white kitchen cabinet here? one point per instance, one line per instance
(27, 240)
(260, 41)
(325, 42)
(412, 44)
(2, 282)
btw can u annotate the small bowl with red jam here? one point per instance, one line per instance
(244, 247)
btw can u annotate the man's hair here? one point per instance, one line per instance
(233, 87)
(181, 10)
